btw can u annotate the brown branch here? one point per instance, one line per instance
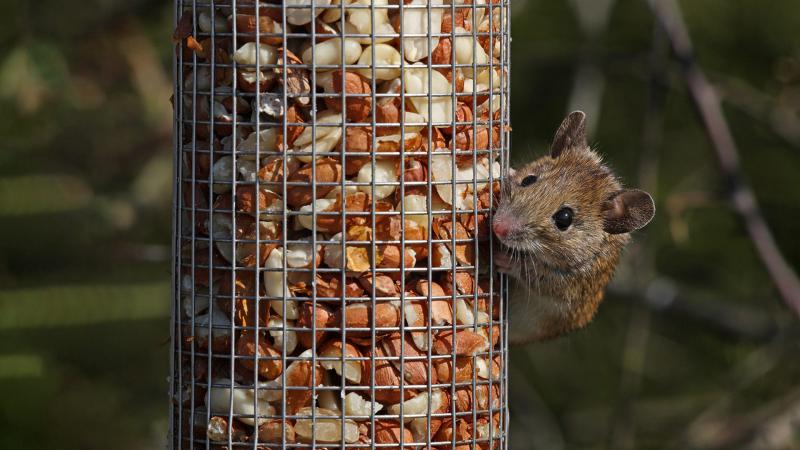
(708, 105)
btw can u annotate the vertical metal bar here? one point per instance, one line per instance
(314, 213)
(195, 70)
(401, 266)
(285, 217)
(505, 136)
(373, 259)
(491, 145)
(257, 207)
(211, 265)
(343, 305)
(234, 253)
(505, 23)
(210, 125)
(429, 302)
(453, 195)
(176, 360)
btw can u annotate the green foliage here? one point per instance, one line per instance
(681, 376)
(85, 198)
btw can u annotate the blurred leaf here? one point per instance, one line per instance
(62, 306)
(42, 194)
(153, 185)
(20, 366)
(30, 73)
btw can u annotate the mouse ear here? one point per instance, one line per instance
(571, 133)
(627, 210)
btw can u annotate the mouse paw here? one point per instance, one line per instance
(504, 264)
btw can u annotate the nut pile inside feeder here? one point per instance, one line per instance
(336, 182)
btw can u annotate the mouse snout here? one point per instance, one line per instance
(502, 226)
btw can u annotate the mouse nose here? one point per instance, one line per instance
(501, 228)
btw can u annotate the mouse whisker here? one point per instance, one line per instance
(536, 277)
(536, 274)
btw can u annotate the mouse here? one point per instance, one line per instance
(562, 222)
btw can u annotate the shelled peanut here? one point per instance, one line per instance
(334, 267)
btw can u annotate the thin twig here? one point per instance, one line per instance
(744, 201)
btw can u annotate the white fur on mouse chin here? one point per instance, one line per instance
(563, 219)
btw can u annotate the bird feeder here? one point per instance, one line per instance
(336, 168)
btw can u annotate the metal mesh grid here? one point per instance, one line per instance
(333, 274)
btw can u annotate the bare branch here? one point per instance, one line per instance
(744, 201)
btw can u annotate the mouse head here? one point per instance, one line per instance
(562, 209)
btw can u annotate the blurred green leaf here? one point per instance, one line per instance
(42, 194)
(70, 306)
(20, 366)
(30, 73)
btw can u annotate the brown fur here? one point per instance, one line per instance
(563, 273)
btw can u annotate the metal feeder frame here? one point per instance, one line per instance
(194, 257)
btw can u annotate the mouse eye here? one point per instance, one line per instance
(563, 218)
(528, 180)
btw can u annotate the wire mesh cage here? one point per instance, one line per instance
(337, 164)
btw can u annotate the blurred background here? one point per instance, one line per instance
(693, 348)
